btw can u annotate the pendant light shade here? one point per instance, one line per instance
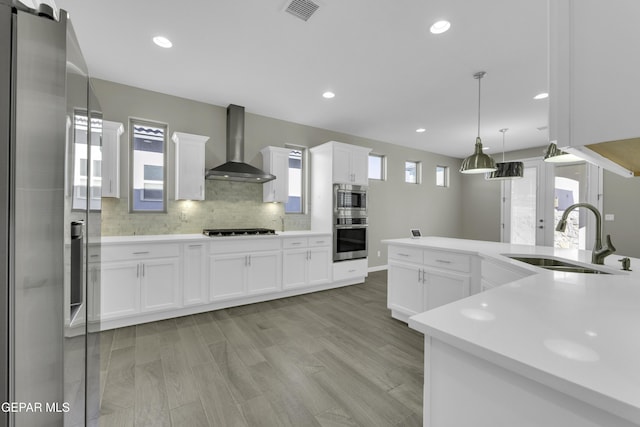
(506, 170)
(555, 155)
(478, 162)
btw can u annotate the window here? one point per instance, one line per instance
(148, 167)
(412, 172)
(442, 176)
(295, 203)
(377, 165)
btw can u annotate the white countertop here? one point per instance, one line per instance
(577, 333)
(199, 236)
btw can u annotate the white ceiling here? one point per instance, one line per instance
(390, 74)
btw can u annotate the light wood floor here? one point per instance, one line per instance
(331, 358)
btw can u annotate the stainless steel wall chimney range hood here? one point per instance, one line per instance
(235, 169)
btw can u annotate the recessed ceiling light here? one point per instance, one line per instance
(162, 42)
(440, 27)
(328, 95)
(542, 95)
(420, 130)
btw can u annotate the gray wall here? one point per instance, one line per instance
(622, 198)
(395, 206)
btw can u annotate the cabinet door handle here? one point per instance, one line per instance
(443, 261)
(138, 271)
(142, 270)
(404, 255)
(295, 243)
(249, 257)
(419, 276)
(424, 276)
(110, 186)
(141, 253)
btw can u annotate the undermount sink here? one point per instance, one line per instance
(556, 265)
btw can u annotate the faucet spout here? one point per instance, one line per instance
(599, 252)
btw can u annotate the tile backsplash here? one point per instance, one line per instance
(226, 205)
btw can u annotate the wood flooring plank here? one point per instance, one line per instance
(336, 417)
(258, 412)
(235, 373)
(304, 387)
(195, 349)
(147, 347)
(124, 337)
(119, 390)
(151, 404)
(358, 394)
(240, 341)
(178, 377)
(121, 418)
(189, 415)
(208, 328)
(216, 398)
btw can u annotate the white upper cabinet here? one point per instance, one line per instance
(350, 164)
(189, 165)
(594, 95)
(275, 160)
(111, 132)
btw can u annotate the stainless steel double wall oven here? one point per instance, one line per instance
(350, 223)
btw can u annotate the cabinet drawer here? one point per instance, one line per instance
(132, 252)
(406, 254)
(349, 269)
(316, 241)
(294, 242)
(448, 260)
(241, 244)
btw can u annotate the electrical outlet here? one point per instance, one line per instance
(183, 216)
(609, 217)
(378, 254)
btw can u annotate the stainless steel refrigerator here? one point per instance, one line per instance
(50, 142)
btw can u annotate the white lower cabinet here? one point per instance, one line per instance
(242, 268)
(195, 288)
(139, 278)
(143, 281)
(422, 279)
(405, 290)
(120, 292)
(306, 261)
(159, 280)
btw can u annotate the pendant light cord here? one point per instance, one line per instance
(479, 79)
(503, 132)
(479, 75)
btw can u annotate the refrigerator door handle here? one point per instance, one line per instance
(76, 261)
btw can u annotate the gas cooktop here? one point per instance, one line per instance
(220, 232)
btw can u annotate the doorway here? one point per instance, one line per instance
(532, 206)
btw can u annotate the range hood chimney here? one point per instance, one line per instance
(235, 169)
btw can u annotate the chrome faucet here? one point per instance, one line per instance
(599, 253)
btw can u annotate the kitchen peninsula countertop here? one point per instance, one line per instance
(577, 333)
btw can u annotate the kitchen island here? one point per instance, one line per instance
(547, 348)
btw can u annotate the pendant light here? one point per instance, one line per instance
(555, 155)
(478, 162)
(506, 170)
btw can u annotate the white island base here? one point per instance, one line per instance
(461, 389)
(536, 347)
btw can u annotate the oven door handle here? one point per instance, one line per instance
(342, 227)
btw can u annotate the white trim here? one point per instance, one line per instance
(378, 268)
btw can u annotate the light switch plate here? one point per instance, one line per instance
(609, 217)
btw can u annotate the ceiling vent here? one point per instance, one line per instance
(302, 9)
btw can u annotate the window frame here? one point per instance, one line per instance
(418, 172)
(383, 167)
(304, 189)
(133, 122)
(445, 171)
